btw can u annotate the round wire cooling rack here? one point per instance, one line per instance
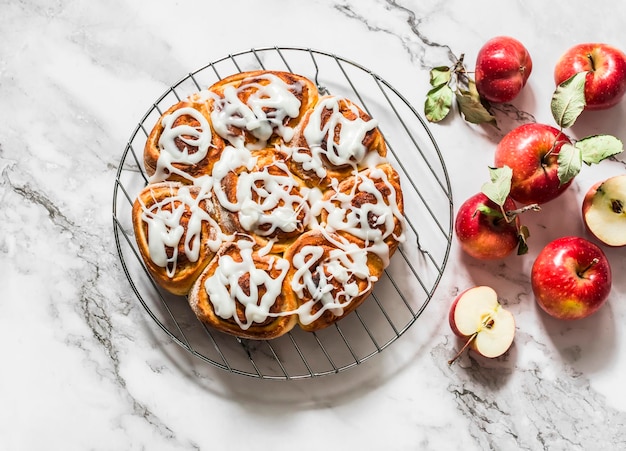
(399, 297)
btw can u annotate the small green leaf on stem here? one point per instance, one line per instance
(568, 100)
(596, 148)
(440, 75)
(488, 211)
(472, 109)
(570, 163)
(438, 103)
(498, 189)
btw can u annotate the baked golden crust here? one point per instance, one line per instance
(174, 252)
(244, 293)
(268, 205)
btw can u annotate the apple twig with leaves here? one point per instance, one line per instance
(568, 102)
(497, 190)
(450, 83)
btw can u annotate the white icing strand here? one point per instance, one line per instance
(344, 265)
(225, 292)
(166, 231)
(199, 137)
(346, 217)
(264, 112)
(349, 150)
(264, 201)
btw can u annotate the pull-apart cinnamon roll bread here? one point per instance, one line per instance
(268, 205)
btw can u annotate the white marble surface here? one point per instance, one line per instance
(84, 367)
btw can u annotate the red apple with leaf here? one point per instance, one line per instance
(571, 278)
(487, 225)
(477, 317)
(604, 210)
(604, 69)
(503, 66)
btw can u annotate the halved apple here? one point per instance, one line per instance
(604, 210)
(477, 317)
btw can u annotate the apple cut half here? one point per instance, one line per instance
(478, 317)
(604, 211)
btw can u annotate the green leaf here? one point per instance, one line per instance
(596, 148)
(438, 103)
(522, 246)
(440, 76)
(498, 189)
(472, 109)
(570, 162)
(568, 100)
(488, 211)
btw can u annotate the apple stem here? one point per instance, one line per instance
(465, 346)
(511, 214)
(594, 262)
(590, 58)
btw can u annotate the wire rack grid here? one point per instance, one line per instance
(399, 297)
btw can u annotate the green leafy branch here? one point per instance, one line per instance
(567, 104)
(451, 83)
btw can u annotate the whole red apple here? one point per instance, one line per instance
(605, 83)
(571, 278)
(483, 235)
(531, 151)
(503, 66)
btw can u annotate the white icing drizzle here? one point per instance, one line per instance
(165, 230)
(349, 150)
(199, 137)
(263, 113)
(225, 292)
(344, 265)
(346, 217)
(262, 207)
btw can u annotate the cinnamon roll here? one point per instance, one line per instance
(265, 199)
(182, 146)
(243, 292)
(369, 207)
(177, 232)
(256, 109)
(335, 140)
(330, 275)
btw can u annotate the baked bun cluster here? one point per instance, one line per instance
(268, 205)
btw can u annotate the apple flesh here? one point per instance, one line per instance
(531, 151)
(503, 66)
(571, 278)
(477, 317)
(604, 211)
(485, 236)
(605, 82)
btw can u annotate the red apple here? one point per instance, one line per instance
(503, 66)
(531, 151)
(571, 278)
(605, 83)
(483, 235)
(477, 317)
(604, 210)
